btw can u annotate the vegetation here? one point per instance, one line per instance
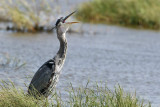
(25, 15)
(94, 96)
(135, 13)
(12, 97)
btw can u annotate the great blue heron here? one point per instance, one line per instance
(46, 78)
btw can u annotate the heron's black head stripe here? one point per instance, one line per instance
(59, 20)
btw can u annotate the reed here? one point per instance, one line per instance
(131, 13)
(25, 15)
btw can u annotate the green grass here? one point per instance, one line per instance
(134, 13)
(10, 96)
(93, 96)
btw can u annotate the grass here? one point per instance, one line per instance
(93, 96)
(133, 13)
(25, 15)
(12, 97)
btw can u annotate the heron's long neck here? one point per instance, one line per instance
(63, 47)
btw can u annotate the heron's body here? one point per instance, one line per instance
(46, 78)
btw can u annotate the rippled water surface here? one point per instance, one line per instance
(116, 55)
(103, 53)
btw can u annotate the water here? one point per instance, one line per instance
(109, 54)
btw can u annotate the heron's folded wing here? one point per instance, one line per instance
(42, 77)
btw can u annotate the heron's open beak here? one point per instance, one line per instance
(68, 17)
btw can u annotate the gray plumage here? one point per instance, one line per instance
(46, 78)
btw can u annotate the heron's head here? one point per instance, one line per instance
(62, 26)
